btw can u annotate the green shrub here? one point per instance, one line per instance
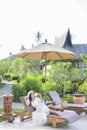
(68, 86)
(50, 86)
(68, 98)
(83, 88)
(15, 77)
(31, 82)
(17, 91)
(42, 78)
(7, 76)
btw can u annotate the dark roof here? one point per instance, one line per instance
(78, 49)
(66, 42)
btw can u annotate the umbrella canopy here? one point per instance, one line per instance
(46, 51)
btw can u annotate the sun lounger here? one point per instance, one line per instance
(27, 113)
(79, 108)
(66, 117)
(55, 97)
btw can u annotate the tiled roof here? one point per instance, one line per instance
(78, 49)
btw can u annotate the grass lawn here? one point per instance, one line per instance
(13, 110)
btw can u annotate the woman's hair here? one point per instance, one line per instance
(30, 99)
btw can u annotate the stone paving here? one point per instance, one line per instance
(81, 124)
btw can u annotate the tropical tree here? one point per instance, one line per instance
(20, 67)
(4, 67)
(22, 48)
(84, 58)
(38, 37)
(34, 65)
(84, 70)
(64, 75)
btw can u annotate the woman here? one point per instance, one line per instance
(39, 116)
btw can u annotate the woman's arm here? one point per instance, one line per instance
(27, 102)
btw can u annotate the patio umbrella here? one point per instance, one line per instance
(46, 51)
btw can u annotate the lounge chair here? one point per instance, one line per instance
(27, 113)
(78, 108)
(67, 116)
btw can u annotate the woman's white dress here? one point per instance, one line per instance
(39, 116)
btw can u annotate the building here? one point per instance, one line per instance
(65, 41)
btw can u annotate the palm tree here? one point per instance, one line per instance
(38, 37)
(22, 48)
(10, 55)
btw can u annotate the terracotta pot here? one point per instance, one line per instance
(79, 99)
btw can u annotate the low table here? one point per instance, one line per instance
(78, 110)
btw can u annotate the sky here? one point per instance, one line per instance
(20, 20)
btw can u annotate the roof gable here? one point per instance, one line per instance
(64, 40)
(68, 41)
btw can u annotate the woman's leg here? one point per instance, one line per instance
(55, 112)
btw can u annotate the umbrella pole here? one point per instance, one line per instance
(45, 78)
(45, 82)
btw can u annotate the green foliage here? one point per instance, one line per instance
(85, 72)
(18, 91)
(51, 86)
(68, 86)
(19, 67)
(15, 77)
(83, 88)
(68, 98)
(30, 82)
(34, 65)
(7, 76)
(42, 78)
(23, 67)
(84, 58)
(4, 68)
(63, 74)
